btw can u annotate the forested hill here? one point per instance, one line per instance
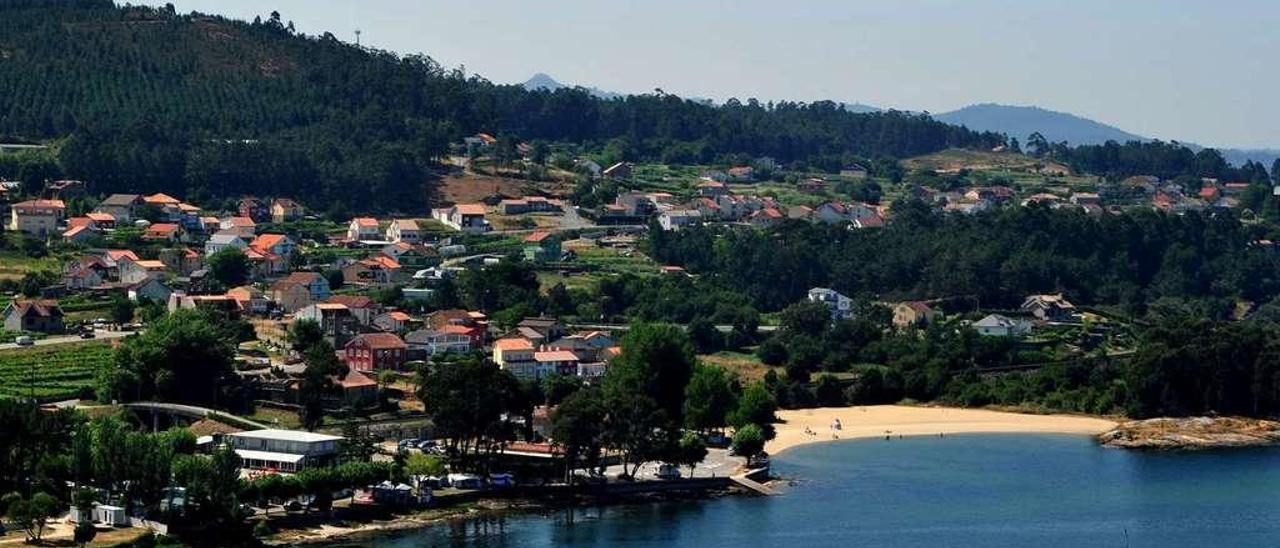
(210, 107)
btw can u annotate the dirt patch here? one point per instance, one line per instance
(746, 366)
(953, 160)
(469, 188)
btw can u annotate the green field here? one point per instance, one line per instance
(52, 371)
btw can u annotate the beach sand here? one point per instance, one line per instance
(875, 420)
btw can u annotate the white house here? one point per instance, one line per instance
(223, 240)
(362, 229)
(463, 218)
(678, 218)
(283, 450)
(841, 307)
(996, 325)
(404, 230)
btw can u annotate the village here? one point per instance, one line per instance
(370, 284)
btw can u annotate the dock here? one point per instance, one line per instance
(744, 480)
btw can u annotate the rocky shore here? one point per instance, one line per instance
(1192, 433)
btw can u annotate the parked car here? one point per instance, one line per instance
(407, 443)
(502, 480)
(668, 471)
(24, 340)
(293, 506)
(87, 335)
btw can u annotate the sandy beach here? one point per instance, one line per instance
(881, 420)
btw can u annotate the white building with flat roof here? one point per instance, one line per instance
(283, 450)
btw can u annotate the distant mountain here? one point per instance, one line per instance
(1021, 121)
(544, 81)
(1011, 120)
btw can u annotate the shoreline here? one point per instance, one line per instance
(864, 422)
(878, 421)
(328, 534)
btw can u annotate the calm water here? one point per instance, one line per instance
(1003, 490)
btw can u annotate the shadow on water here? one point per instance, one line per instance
(979, 490)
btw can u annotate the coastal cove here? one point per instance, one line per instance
(959, 490)
(878, 421)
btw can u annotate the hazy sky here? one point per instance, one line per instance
(1194, 70)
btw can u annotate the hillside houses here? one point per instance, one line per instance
(122, 207)
(530, 204)
(463, 218)
(362, 229)
(376, 270)
(914, 314)
(37, 217)
(375, 352)
(284, 210)
(1049, 307)
(404, 231)
(337, 324)
(298, 290)
(533, 353)
(36, 316)
(841, 307)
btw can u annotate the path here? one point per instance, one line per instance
(99, 335)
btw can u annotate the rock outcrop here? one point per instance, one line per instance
(1192, 433)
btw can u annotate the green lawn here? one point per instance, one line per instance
(614, 261)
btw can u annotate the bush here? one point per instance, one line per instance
(263, 529)
(772, 351)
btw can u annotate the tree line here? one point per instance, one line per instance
(207, 107)
(1134, 260)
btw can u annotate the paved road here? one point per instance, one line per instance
(624, 327)
(717, 464)
(189, 411)
(68, 339)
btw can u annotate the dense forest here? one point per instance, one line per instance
(146, 99)
(1167, 160)
(1133, 259)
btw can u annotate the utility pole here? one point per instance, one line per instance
(358, 33)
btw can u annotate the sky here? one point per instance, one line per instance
(1188, 70)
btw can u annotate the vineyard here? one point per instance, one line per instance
(51, 372)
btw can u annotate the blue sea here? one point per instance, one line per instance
(971, 490)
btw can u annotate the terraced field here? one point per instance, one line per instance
(59, 371)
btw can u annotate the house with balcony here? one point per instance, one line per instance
(37, 217)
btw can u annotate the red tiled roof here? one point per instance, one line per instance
(365, 222)
(75, 231)
(555, 356)
(41, 307)
(471, 209)
(537, 237)
(117, 254)
(161, 199)
(40, 204)
(265, 242)
(513, 344)
(380, 340)
(352, 301)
